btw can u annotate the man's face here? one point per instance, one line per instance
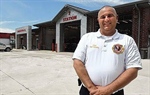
(107, 19)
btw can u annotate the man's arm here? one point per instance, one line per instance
(125, 78)
(83, 75)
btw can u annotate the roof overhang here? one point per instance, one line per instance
(121, 10)
(67, 7)
(51, 24)
(125, 8)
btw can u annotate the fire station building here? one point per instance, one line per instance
(64, 31)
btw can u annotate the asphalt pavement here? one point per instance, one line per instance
(43, 72)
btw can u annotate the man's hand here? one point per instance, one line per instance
(92, 89)
(101, 91)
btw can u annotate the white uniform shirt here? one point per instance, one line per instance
(105, 58)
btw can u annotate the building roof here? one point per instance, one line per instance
(66, 7)
(140, 3)
(119, 8)
(124, 7)
(52, 23)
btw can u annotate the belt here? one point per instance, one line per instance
(118, 92)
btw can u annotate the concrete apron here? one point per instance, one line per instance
(49, 73)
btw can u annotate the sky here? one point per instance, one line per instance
(20, 13)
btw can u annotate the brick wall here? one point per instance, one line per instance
(135, 25)
(144, 27)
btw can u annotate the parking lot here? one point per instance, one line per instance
(44, 72)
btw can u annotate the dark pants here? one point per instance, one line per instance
(84, 91)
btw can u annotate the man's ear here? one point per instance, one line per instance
(97, 19)
(117, 17)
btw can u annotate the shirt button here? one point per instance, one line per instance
(105, 45)
(104, 50)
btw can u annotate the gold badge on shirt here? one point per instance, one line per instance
(117, 48)
(94, 46)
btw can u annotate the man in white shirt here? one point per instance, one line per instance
(106, 60)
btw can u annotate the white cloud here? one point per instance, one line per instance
(30, 22)
(5, 30)
(22, 4)
(115, 2)
(25, 22)
(6, 22)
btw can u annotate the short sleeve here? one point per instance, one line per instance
(133, 58)
(80, 51)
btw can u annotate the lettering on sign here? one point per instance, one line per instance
(21, 30)
(70, 18)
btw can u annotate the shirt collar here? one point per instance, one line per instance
(115, 36)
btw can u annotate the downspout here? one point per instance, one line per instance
(139, 21)
(149, 38)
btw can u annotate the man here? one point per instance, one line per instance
(106, 60)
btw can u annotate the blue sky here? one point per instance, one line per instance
(19, 13)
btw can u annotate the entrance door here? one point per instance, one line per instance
(71, 35)
(61, 37)
(21, 42)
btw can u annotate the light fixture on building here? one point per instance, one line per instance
(124, 21)
(37, 35)
(73, 27)
(130, 20)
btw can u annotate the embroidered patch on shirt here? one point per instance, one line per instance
(117, 48)
(94, 46)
